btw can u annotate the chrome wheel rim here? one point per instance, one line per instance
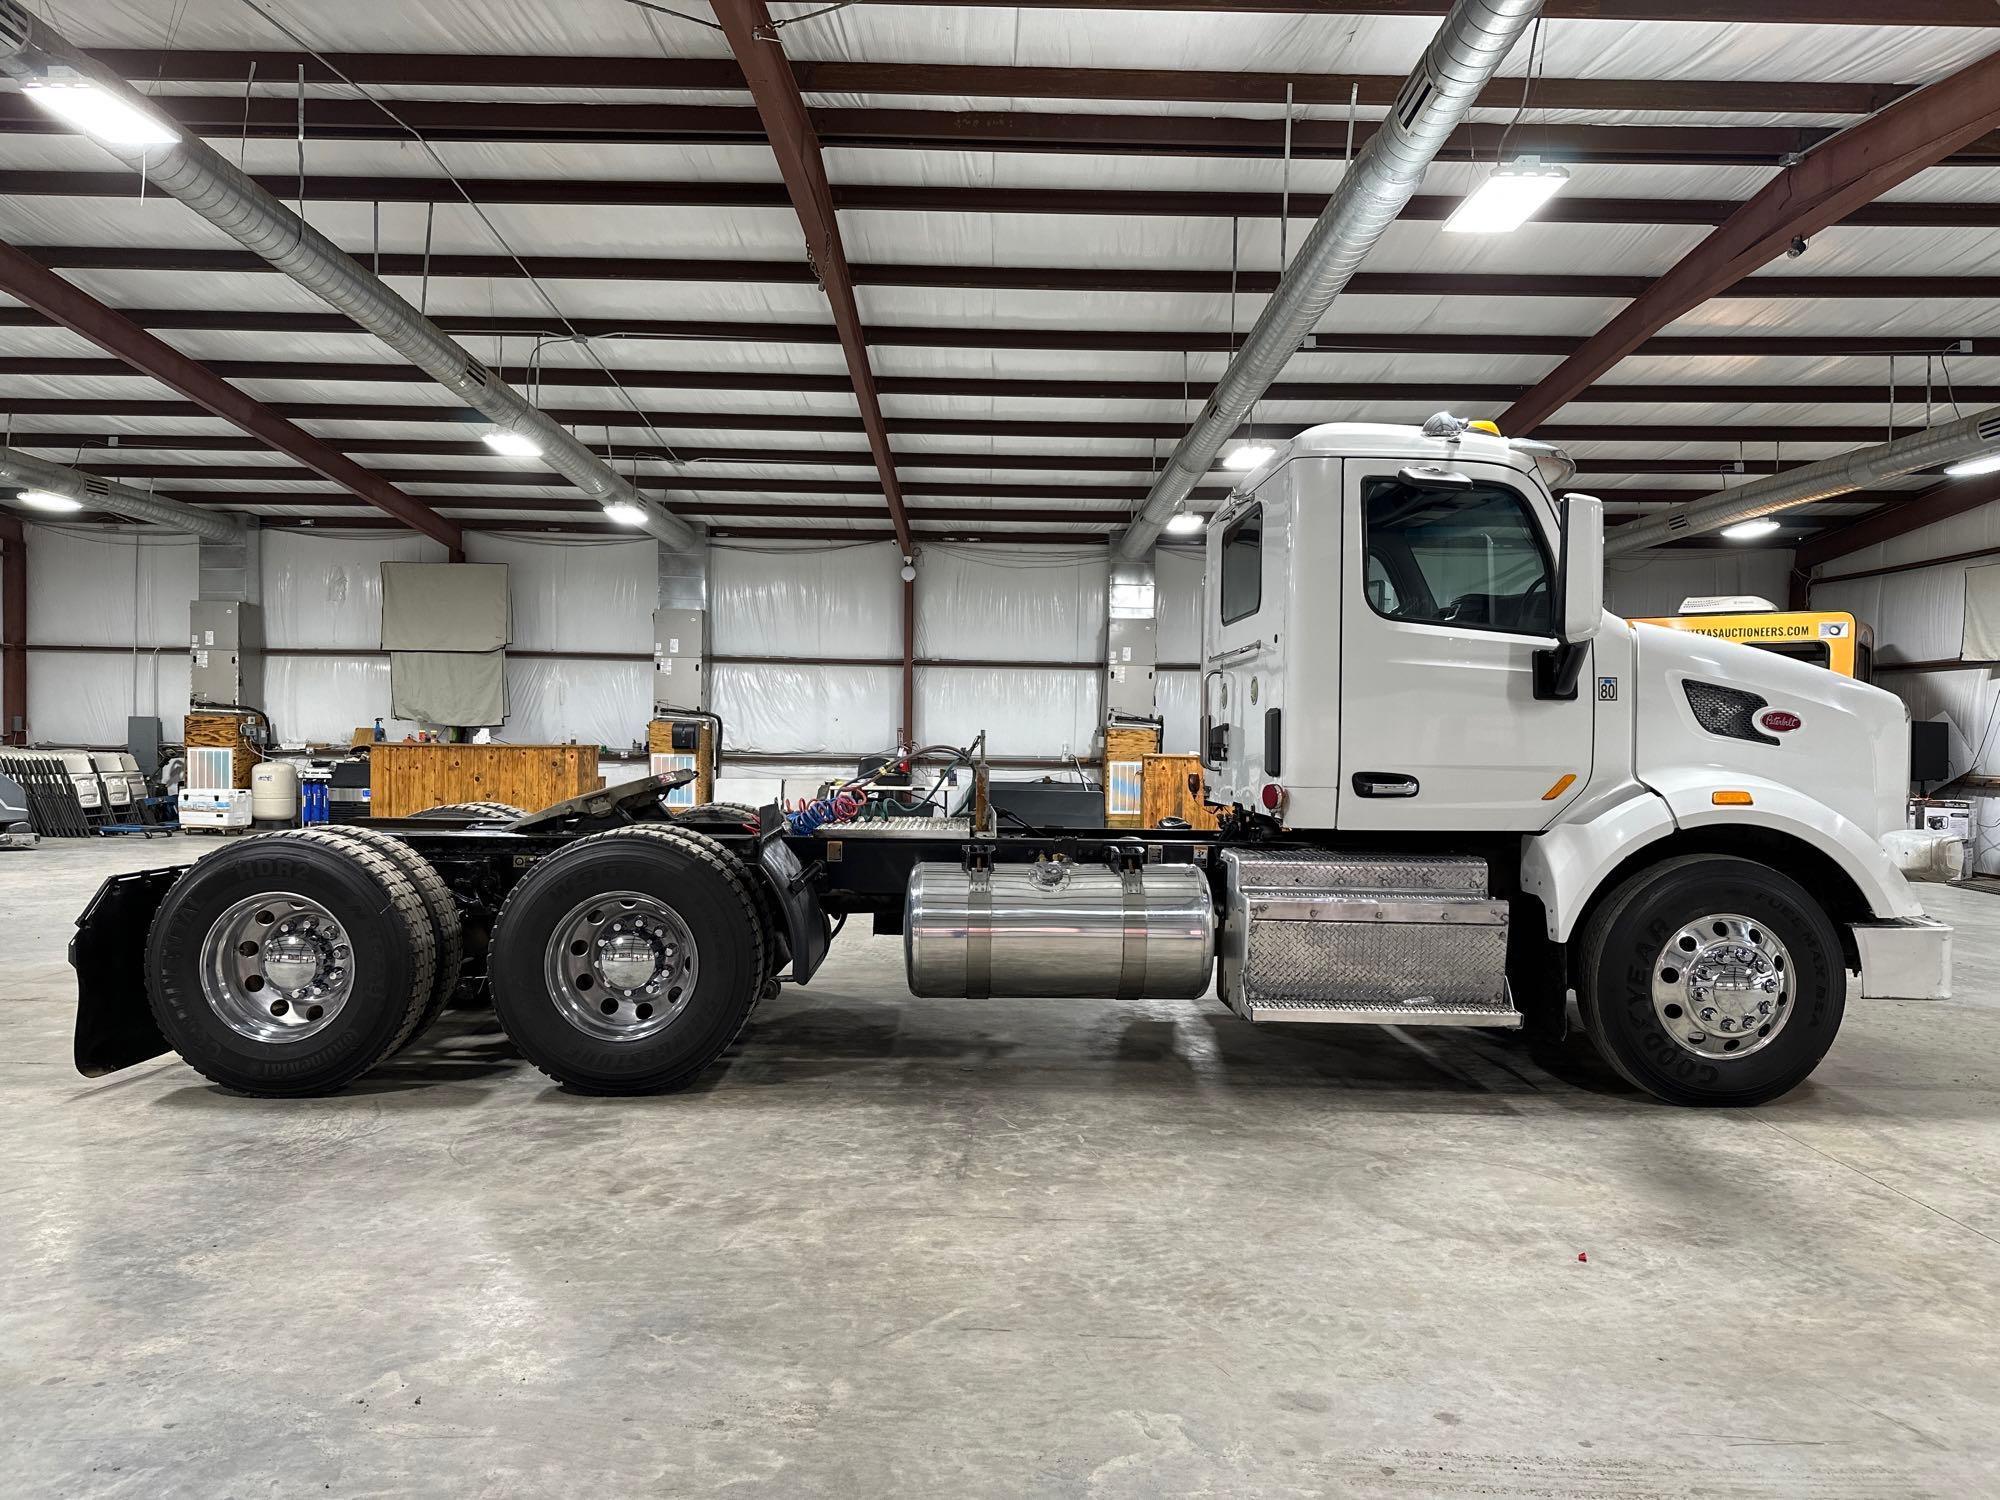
(1723, 987)
(277, 967)
(621, 966)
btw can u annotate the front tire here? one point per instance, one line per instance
(627, 962)
(1712, 980)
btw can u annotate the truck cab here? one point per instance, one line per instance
(1407, 661)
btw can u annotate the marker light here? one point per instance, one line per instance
(1273, 796)
(1186, 522)
(1508, 199)
(1986, 463)
(1744, 531)
(1249, 456)
(625, 515)
(511, 444)
(44, 500)
(96, 111)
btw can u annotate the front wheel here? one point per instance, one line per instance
(1712, 980)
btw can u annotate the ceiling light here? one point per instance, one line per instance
(1186, 522)
(1744, 531)
(511, 444)
(96, 111)
(1508, 199)
(47, 500)
(1986, 463)
(1249, 456)
(624, 514)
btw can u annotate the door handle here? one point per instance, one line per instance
(1384, 784)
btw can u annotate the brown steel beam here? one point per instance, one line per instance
(1856, 167)
(962, 130)
(1927, 507)
(789, 128)
(76, 310)
(1198, 281)
(930, 198)
(972, 336)
(13, 631)
(832, 458)
(1185, 86)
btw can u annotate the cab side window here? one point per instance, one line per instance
(1243, 566)
(1471, 558)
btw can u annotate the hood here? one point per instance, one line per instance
(1841, 742)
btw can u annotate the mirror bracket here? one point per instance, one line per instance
(1557, 668)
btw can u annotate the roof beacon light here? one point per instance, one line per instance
(1249, 456)
(1508, 199)
(1744, 531)
(625, 515)
(48, 500)
(1186, 522)
(511, 444)
(96, 111)
(1986, 463)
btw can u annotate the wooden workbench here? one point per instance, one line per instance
(407, 778)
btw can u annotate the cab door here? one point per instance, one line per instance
(1243, 626)
(1451, 593)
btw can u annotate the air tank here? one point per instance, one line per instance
(1059, 928)
(274, 792)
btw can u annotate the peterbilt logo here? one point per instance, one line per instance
(1778, 721)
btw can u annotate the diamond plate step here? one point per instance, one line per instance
(1365, 1013)
(1326, 870)
(1367, 939)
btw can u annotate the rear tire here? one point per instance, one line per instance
(439, 904)
(360, 966)
(568, 1013)
(1712, 980)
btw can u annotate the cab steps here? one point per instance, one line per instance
(1335, 937)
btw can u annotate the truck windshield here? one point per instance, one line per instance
(1470, 558)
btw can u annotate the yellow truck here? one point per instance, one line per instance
(1828, 638)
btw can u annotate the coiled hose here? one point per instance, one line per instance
(838, 808)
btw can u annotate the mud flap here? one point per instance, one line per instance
(114, 1022)
(806, 925)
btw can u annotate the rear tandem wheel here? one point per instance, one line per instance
(627, 962)
(290, 963)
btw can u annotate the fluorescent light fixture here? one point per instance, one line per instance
(1249, 456)
(511, 444)
(1186, 522)
(1744, 531)
(96, 111)
(625, 515)
(47, 500)
(1986, 463)
(1508, 199)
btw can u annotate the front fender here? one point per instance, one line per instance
(1566, 863)
(1690, 794)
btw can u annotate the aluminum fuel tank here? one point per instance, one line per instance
(1056, 928)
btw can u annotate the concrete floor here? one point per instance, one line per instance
(998, 1249)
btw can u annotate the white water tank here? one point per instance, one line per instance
(274, 792)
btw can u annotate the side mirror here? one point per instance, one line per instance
(1581, 570)
(1579, 595)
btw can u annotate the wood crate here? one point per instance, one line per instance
(222, 732)
(1125, 750)
(1164, 793)
(407, 778)
(660, 741)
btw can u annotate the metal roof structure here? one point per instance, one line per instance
(1052, 223)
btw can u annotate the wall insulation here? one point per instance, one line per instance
(1919, 616)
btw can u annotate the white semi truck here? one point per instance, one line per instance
(1453, 791)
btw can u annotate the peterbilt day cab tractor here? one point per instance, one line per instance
(1452, 791)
